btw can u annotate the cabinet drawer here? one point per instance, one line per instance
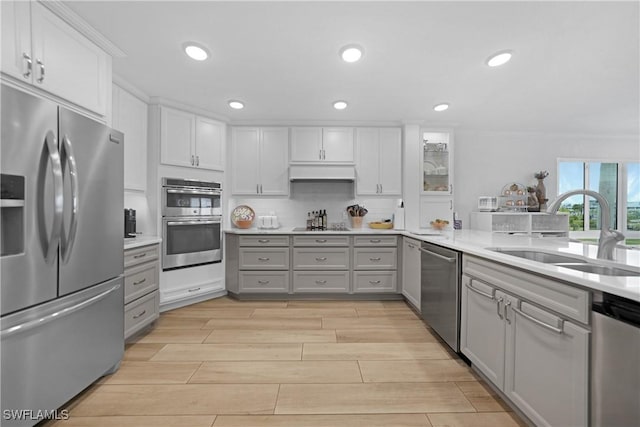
(140, 280)
(383, 281)
(375, 258)
(264, 258)
(264, 241)
(321, 240)
(553, 294)
(140, 313)
(264, 281)
(321, 281)
(374, 240)
(139, 255)
(321, 258)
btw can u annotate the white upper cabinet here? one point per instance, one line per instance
(130, 117)
(379, 161)
(41, 49)
(322, 145)
(437, 163)
(260, 161)
(191, 141)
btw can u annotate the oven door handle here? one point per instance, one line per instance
(170, 223)
(194, 192)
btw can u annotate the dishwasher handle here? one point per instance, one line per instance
(444, 258)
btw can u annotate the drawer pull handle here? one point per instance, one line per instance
(140, 256)
(139, 282)
(264, 259)
(491, 296)
(321, 240)
(263, 282)
(264, 241)
(322, 258)
(193, 290)
(140, 315)
(557, 330)
(498, 302)
(321, 282)
(375, 240)
(374, 282)
(375, 259)
(411, 246)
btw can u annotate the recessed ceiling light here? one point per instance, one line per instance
(351, 53)
(441, 107)
(236, 105)
(340, 105)
(499, 58)
(196, 51)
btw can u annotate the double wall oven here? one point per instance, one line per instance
(191, 223)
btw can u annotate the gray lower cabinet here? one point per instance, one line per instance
(535, 355)
(141, 295)
(321, 264)
(261, 264)
(375, 264)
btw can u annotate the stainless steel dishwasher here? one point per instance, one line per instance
(440, 292)
(615, 361)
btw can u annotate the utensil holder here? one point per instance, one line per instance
(356, 222)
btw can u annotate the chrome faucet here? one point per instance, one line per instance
(608, 237)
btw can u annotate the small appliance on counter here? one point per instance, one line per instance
(268, 221)
(129, 223)
(398, 216)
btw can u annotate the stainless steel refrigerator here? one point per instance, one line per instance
(61, 294)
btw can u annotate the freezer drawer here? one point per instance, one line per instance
(61, 348)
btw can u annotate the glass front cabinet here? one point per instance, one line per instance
(437, 162)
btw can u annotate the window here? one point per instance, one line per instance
(619, 184)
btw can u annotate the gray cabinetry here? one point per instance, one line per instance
(261, 264)
(321, 264)
(524, 333)
(141, 296)
(375, 261)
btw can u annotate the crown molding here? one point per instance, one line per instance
(157, 100)
(124, 84)
(83, 27)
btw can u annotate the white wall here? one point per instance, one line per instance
(486, 161)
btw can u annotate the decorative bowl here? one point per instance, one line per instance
(243, 216)
(439, 224)
(243, 223)
(381, 225)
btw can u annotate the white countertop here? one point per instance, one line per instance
(476, 243)
(141, 240)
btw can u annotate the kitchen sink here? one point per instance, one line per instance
(604, 270)
(544, 257)
(572, 262)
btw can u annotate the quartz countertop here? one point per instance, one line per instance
(476, 243)
(141, 240)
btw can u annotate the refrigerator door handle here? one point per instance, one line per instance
(68, 240)
(24, 327)
(51, 154)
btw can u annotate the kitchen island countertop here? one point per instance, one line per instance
(139, 241)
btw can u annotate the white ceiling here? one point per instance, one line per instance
(575, 68)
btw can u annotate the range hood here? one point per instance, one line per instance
(322, 173)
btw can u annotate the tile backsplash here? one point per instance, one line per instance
(305, 197)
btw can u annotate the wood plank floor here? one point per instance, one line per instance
(228, 363)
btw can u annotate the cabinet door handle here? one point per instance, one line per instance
(558, 330)
(380, 188)
(450, 188)
(500, 301)
(257, 188)
(264, 259)
(319, 154)
(29, 62)
(260, 188)
(264, 241)
(193, 160)
(375, 259)
(193, 290)
(375, 240)
(324, 258)
(263, 282)
(139, 282)
(41, 78)
(491, 296)
(374, 282)
(321, 282)
(411, 246)
(140, 256)
(324, 155)
(140, 315)
(321, 240)
(505, 308)
(197, 160)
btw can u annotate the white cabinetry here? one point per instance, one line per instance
(322, 145)
(536, 356)
(191, 141)
(40, 49)
(260, 161)
(411, 271)
(436, 154)
(378, 161)
(130, 117)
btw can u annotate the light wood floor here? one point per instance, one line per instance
(300, 364)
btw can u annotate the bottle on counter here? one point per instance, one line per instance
(324, 220)
(309, 221)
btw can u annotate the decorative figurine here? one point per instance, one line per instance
(541, 191)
